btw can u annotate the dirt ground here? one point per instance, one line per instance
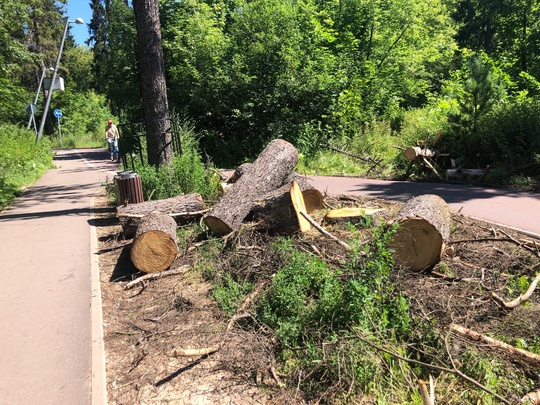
(145, 327)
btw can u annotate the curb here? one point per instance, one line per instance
(98, 380)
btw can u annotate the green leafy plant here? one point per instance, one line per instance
(22, 160)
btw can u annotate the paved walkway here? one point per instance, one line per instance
(47, 298)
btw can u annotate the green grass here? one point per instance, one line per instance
(22, 161)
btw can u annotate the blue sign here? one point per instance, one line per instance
(57, 113)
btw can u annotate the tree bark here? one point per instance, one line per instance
(275, 211)
(266, 174)
(182, 203)
(154, 88)
(424, 229)
(154, 248)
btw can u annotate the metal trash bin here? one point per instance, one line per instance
(128, 187)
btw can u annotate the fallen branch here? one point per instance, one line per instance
(154, 276)
(472, 381)
(434, 367)
(195, 352)
(323, 231)
(428, 397)
(172, 214)
(247, 302)
(523, 355)
(522, 298)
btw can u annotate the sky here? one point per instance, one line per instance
(76, 9)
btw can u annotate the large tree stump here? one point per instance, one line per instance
(179, 204)
(275, 211)
(154, 248)
(265, 174)
(424, 229)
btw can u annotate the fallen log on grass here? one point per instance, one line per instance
(424, 229)
(129, 215)
(349, 213)
(275, 211)
(154, 248)
(267, 173)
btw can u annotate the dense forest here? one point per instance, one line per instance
(358, 75)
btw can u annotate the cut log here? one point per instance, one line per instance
(154, 248)
(182, 203)
(275, 212)
(466, 174)
(417, 153)
(299, 207)
(424, 229)
(346, 214)
(265, 174)
(238, 172)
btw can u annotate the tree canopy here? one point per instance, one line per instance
(314, 72)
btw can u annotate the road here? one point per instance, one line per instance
(50, 305)
(518, 210)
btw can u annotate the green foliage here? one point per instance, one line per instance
(187, 173)
(312, 306)
(84, 116)
(479, 91)
(22, 161)
(229, 292)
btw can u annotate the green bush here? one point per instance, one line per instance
(319, 311)
(187, 173)
(22, 160)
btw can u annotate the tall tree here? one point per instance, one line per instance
(154, 88)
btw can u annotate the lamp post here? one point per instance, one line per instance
(43, 70)
(49, 94)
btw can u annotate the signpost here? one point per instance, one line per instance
(58, 114)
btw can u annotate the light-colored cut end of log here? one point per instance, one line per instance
(153, 251)
(299, 206)
(216, 225)
(532, 398)
(351, 212)
(417, 244)
(313, 200)
(411, 153)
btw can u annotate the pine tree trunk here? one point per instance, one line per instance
(424, 229)
(154, 248)
(154, 88)
(267, 173)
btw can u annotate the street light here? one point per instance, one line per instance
(49, 94)
(43, 70)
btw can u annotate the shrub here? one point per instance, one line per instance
(22, 160)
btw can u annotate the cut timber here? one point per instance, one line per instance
(265, 174)
(299, 206)
(348, 213)
(275, 212)
(154, 248)
(466, 174)
(417, 153)
(424, 229)
(182, 203)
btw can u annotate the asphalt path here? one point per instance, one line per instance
(514, 209)
(50, 306)
(50, 303)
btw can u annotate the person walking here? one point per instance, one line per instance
(112, 135)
